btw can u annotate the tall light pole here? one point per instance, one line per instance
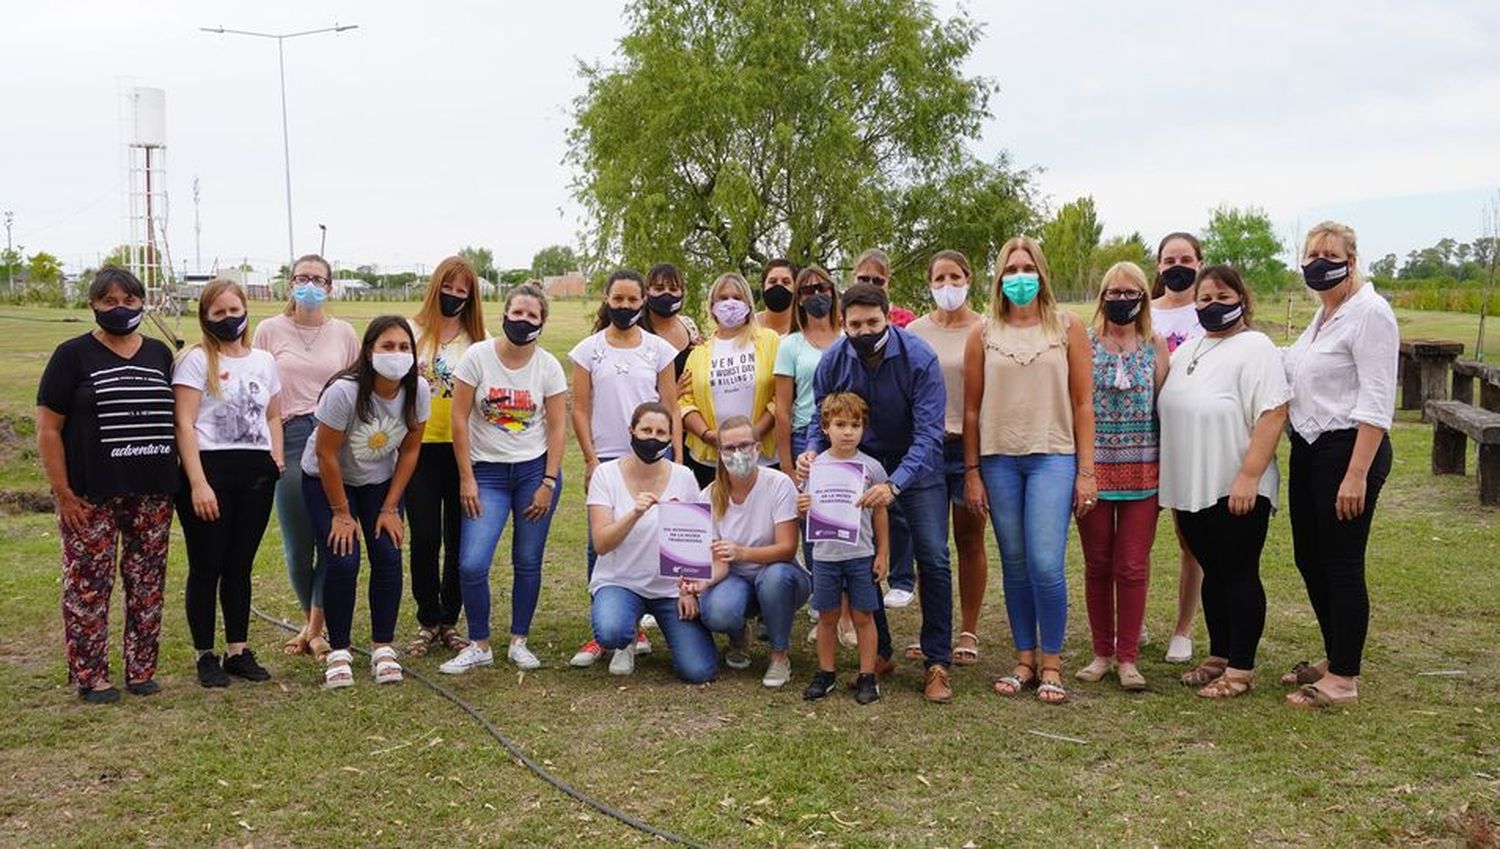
(286, 147)
(10, 265)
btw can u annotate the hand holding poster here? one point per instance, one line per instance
(685, 533)
(835, 486)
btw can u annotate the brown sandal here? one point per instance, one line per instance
(449, 637)
(1203, 674)
(1014, 683)
(1227, 687)
(319, 648)
(1301, 674)
(423, 642)
(1311, 698)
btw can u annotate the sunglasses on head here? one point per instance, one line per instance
(814, 288)
(872, 279)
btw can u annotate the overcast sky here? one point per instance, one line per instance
(434, 126)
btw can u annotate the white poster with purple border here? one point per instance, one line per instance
(835, 486)
(685, 533)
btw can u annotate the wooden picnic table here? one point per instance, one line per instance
(1424, 371)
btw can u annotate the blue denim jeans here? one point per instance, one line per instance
(505, 491)
(342, 582)
(305, 566)
(774, 594)
(616, 610)
(919, 523)
(1031, 501)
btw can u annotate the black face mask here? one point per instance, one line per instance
(624, 318)
(1178, 278)
(120, 321)
(870, 344)
(520, 332)
(230, 328)
(819, 305)
(1324, 274)
(649, 450)
(451, 305)
(1122, 312)
(665, 304)
(1219, 316)
(777, 298)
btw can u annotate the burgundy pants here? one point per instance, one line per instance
(1116, 538)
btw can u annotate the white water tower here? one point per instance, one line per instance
(146, 159)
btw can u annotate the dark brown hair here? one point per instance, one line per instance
(1226, 275)
(1159, 288)
(817, 274)
(601, 320)
(866, 295)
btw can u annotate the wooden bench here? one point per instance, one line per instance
(1465, 372)
(1424, 371)
(1455, 422)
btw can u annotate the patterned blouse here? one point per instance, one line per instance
(1125, 425)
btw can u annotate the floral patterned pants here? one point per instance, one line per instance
(141, 524)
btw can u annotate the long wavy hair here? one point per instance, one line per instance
(454, 269)
(362, 371)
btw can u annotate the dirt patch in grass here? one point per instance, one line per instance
(13, 501)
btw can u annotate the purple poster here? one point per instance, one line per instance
(686, 531)
(835, 486)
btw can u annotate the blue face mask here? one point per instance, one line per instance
(1020, 289)
(309, 295)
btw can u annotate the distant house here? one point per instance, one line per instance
(569, 285)
(257, 284)
(350, 288)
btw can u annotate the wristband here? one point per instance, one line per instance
(549, 482)
(1086, 474)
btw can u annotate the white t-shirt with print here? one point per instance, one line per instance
(771, 501)
(731, 377)
(508, 422)
(635, 564)
(623, 379)
(368, 454)
(236, 419)
(1176, 324)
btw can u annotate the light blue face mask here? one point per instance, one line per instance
(309, 295)
(1020, 289)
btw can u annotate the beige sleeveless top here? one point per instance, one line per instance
(1027, 408)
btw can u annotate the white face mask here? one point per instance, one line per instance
(392, 365)
(950, 298)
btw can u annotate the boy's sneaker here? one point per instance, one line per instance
(896, 597)
(623, 663)
(587, 654)
(243, 665)
(642, 645)
(467, 658)
(522, 656)
(778, 673)
(821, 685)
(866, 689)
(210, 673)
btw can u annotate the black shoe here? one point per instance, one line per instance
(821, 685)
(149, 687)
(107, 696)
(210, 673)
(243, 665)
(867, 689)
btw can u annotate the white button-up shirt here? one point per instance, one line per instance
(1343, 371)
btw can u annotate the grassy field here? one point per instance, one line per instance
(731, 764)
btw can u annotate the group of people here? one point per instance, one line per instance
(1018, 412)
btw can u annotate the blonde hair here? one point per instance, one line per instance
(1046, 303)
(1122, 272)
(430, 315)
(210, 343)
(718, 491)
(846, 405)
(742, 289)
(878, 257)
(1334, 230)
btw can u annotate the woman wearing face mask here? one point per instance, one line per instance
(1129, 365)
(450, 320)
(874, 267)
(1029, 453)
(1175, 317)
(947, 330)
(778, 292)
(627, 582)
(731, 376)
(1222, 410)
(616, 370)
(1342, 370)
(354, 472)
(509, 409)
(112, 485)
(754, 551)
(663, 317)
(309, 347)
(229, 437)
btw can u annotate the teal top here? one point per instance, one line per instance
(798, 358)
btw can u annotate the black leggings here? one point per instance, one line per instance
(221, 553)
(433, 510)
(1330, 553)
(1234, 601)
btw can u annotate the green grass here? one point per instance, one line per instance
(1418, 761)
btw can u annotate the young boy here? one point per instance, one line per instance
(841, 569)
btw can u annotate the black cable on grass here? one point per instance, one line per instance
(515, 751)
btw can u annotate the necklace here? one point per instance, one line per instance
(1198, 353)
(307, 345)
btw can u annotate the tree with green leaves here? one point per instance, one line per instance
(1070, 239)
(554, 260)
(483, 260)
(1246, 239)
(44, 269)
(1131, 248)
(1385, 267)
(729, 132)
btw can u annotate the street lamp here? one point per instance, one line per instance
(286, 151)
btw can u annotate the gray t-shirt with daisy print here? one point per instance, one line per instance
(369, 451)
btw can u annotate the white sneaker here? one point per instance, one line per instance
(623, 663)
(521, 656)
(1179, 649)
(587, 654)
(897, 597)
(778, 673)
(648, 621)
(467, 658)
(642, 644)
(812, 615)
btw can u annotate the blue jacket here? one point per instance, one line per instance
(907, 401)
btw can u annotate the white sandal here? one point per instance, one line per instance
(338, 672)
(384, 666)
